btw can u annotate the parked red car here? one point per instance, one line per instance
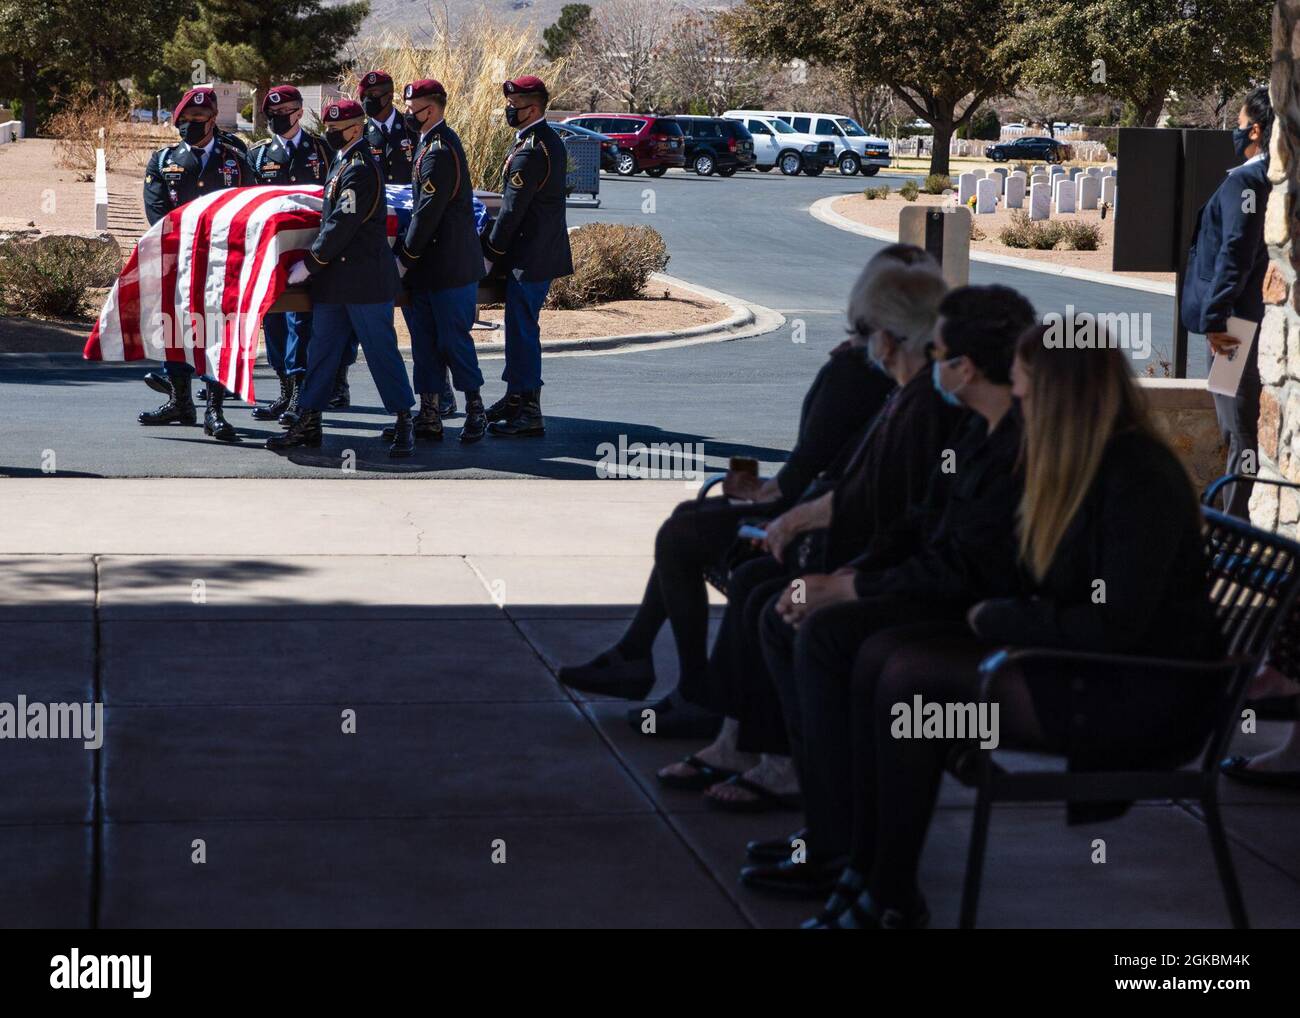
(653, 144)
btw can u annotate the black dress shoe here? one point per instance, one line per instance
(611, 674)
(214, 420)
(475, 421)
(677, 718)
(305, 431)
(1238, 768)
(847, 890)
(179, 408)
(158, 382)
(403, 437)
(526, 422)
(793, 879)
(864, 914)
(774, 850)
(273, 410)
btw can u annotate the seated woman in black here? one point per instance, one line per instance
(1110, 542)
(844, 398)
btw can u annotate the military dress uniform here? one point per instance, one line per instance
(175, 175)
(303, 158)
(529, 243)
(353, 278)
(444, 264)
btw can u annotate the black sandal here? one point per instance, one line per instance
(705, 775)
(764, 801)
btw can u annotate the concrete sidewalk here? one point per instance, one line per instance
(228, 626)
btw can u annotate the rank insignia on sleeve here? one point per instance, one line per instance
(516, 179)
(428, 187)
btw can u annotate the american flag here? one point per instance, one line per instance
(199, 281)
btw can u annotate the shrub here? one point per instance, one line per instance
(909, 191)
(872, 193)
(936, 183)
(51, 277)
(76, 128)
(611, 261)
(1081, 236)
(1050, 234)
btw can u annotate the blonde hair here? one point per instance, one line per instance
(1082, 398)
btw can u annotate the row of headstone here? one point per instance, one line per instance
(1064, 190)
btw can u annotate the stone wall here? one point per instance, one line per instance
(1279, 336)
(1184, 412)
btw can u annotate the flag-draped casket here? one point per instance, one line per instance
(199, 281)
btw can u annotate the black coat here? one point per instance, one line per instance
(530, 234)
(391, 149)
(309, 163)
(1138, 531)
(172, 177)
(350, 261)
(441, 247)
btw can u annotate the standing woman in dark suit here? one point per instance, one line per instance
(1225, 278)
(1110, 548)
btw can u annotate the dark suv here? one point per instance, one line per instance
(1029, 147)
(714, 145)
(653, 144)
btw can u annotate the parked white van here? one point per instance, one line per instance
(778, 144)
(855, 149)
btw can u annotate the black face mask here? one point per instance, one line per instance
(1240, 139)
(373, 104)
(281, 123)
(334, 139)
(192, 131)
(413, 124)
(512, 116)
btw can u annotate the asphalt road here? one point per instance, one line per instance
(750, 236)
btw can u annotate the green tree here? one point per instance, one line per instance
(558, 39)
(264, 42)
(942, 59)
(1140, 52)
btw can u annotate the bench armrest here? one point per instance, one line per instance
(1007, 657)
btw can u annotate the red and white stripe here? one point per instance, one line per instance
(223, 258)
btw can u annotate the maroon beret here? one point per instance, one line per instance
(341, 111)
(424, 88)
(527, 83)
(373, 78)
(278, 94)
(204, 97)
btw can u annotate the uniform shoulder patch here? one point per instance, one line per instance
(516, 179)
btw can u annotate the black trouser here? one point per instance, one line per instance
(693, 539)
(810, 667)
(896, 780)
(737, 683)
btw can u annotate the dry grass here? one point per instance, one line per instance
(54, 276)
(77, 125)
(471, 60)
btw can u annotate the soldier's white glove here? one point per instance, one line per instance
(298, 273)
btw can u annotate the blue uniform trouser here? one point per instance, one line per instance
(439, 322)
(444, 383)
(287, 335)
(523, 371)
(372, 324)
(182, 370)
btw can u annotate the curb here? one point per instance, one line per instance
(821, 209)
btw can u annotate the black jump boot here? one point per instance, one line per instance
(428, 422)
(403, 436)
(526, 423)
(291, 412)
(447, 397)
(214, 421)
(158, 382)
(305, 431)
(475, 419)
(179, 408)
(273, 410)
(341, 398)
(504, 408)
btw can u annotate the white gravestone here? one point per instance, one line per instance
(1089, 191)
(1063, 195)
(986, 196)
(965, 187)
(1040, 201)
(1108, 190)
(1094, 171)
(1016, 191)
(1040, 178)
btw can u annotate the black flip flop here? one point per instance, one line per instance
(764, 801)
(705, 775)
(1238, 768)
